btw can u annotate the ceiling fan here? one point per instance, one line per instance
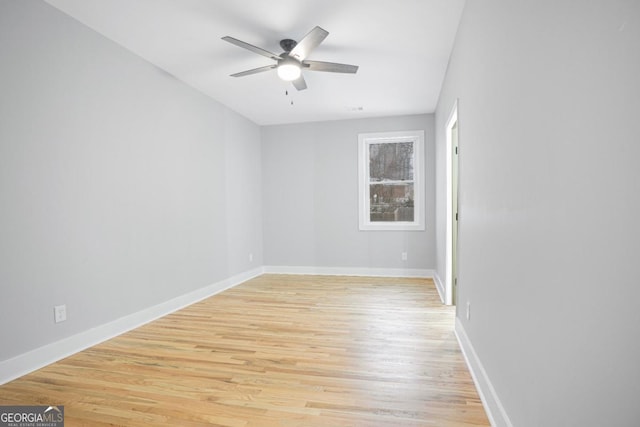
(293, 60)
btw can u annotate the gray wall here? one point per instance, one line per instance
(120, 187)
(549, 100)
(310, 198)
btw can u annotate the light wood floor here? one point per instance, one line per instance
(275, 351)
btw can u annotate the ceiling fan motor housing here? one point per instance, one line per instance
(288, 44)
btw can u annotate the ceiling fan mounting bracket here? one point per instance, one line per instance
(288, 44)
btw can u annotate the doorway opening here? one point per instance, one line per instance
(451, 258)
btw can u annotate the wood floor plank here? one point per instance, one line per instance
(278, 350)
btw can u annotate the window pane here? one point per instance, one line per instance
(391, 161)
(393, 202)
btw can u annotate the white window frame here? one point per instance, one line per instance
(364, 141)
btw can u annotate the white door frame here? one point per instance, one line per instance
(451, 122)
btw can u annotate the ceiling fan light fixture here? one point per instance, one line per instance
(289, 71)
(288, 68)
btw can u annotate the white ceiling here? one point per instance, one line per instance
(401, 46)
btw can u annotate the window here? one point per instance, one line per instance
(391, 180)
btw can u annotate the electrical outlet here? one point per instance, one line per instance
(468, 310)
(250, 257)
(404, 256)
(60, 313)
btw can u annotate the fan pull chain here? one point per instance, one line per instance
(286, 93)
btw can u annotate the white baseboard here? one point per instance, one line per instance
(35, 359)
(439, 286)
(493, 407)
(350, 271)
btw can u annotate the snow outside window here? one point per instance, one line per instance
(391, 180)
